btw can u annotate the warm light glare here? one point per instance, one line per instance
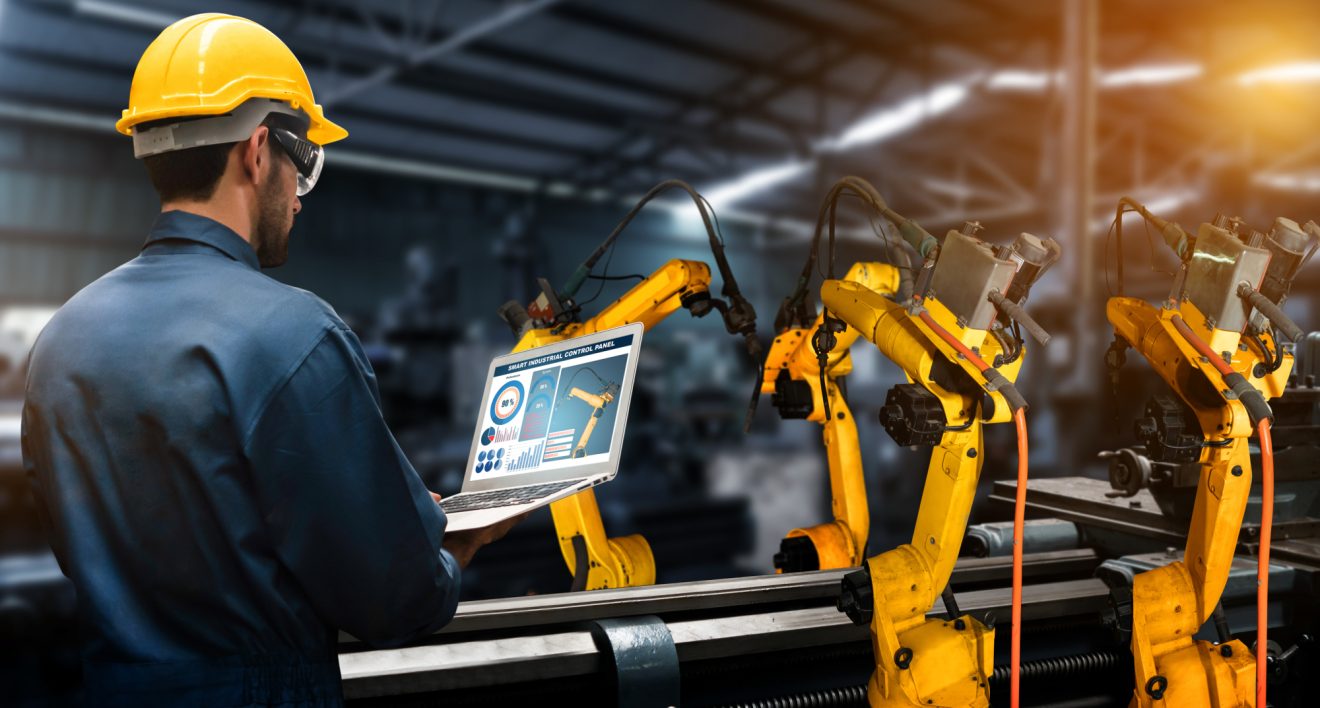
(1298, 72)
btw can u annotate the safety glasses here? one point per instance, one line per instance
(307, 157)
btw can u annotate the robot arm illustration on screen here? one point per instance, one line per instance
(598, 402)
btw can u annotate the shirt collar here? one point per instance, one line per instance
(182, 225)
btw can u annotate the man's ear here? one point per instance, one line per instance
(255, 155)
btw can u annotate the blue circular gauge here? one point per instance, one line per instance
(499, 453)
(489, 466)
(508, 401)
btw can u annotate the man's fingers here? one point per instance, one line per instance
(436, 497)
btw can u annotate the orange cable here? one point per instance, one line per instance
(1019, 513)
(1266, 514)
(1263, 556)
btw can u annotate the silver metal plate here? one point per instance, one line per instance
(965, 274)
(1218, 264)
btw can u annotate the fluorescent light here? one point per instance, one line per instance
(1298, 72)
(957, 190)
(1170, 202)
(877, 127)
(1297, 182)
(1150, 75)
(1160, 205)
(1020, 80)
(891, 121)
(126, 14)
(755, 181)
(1139, 75)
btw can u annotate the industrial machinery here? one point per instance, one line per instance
(596, 560)
(805, 381)
(1228, 283)
(942, 339)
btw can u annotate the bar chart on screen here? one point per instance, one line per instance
(527, 459)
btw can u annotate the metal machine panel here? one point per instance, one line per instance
(964, 276)
(1220, 262)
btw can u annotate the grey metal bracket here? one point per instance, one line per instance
(645, 660)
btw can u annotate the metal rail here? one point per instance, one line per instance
(517, 640)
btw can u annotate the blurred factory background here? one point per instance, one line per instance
(496, 142)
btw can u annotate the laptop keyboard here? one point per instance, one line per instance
(502, 497)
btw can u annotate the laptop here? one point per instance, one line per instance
(551, 425)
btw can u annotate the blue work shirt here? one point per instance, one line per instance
(207, 447)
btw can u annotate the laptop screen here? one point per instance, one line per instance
(554, 410)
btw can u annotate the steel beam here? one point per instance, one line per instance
(631, 29)
(454, 41)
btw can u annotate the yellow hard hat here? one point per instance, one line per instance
(209, 65)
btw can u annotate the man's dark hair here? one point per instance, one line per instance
(193, 174)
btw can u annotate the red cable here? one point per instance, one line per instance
(953, 341)
(1019, 512)
(1019, 524)
(1263, 556)
(1204, 349)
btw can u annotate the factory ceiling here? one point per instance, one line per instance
(953, 108)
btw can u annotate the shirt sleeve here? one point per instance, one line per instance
(346, 512)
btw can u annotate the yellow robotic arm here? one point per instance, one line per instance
(919, 661)
(793, 380)
(967, 293)
(596, 560)
(1194, 342)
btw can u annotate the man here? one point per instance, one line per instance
(206, 443)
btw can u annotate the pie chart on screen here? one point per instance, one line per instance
(487, 436)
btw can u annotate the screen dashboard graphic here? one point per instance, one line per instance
(539, 416)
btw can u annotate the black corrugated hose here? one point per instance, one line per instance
(828, 698)
(1054, 667)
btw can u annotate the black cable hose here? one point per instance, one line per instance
(1060, 666)
(730, 284)
(1056, 667)
(825, 223)
(831, 697)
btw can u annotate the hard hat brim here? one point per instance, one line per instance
(321, 130)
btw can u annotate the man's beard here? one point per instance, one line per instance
(271, 236)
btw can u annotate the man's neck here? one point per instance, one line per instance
(235, 219)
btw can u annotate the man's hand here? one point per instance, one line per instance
(465, 544)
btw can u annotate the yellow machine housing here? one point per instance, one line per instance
(840, 543)
(1171, 603)
(920, 661)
